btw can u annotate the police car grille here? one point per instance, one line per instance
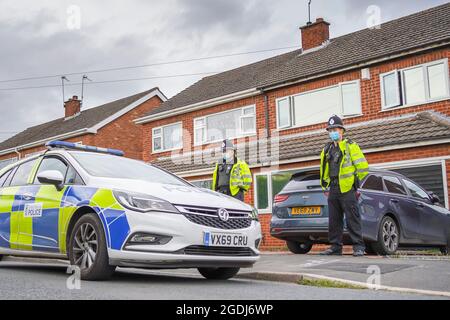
(215, 222)
(209, 217)
(218, 251)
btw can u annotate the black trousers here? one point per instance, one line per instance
(338, 205)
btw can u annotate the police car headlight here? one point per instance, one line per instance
(143, 202)
(254, 214)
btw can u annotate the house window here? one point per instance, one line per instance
(316, 106)
(225, 125)
(167, 137)
(7, 162)
(419, 84)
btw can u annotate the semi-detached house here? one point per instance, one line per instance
(390, 84)
(110, 125)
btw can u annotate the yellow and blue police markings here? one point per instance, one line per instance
(36, 217)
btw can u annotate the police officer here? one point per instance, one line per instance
(231, 176)
(342, 166)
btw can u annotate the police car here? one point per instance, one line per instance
(101, 210)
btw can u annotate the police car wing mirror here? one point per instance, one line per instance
(53, 177)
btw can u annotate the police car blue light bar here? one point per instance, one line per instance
(77, 146)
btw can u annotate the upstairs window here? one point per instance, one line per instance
(230, 124)
(415, 85)
(167, 138)
(315, 106)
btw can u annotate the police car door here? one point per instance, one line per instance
(21, 196)
(48, 203)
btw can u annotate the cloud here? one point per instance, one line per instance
(36, 41)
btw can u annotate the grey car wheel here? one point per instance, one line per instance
(299, 247)
(87, 249)
(388, 237)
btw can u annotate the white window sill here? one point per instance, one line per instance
(414, 104)
(313, 124)
(168, 150)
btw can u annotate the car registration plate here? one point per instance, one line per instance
(305, 211)
(224, 239)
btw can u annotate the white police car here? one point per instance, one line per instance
(101, 210)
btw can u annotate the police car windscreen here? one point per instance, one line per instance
(108, 166)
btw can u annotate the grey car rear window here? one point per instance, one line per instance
(373, 182)
(394, 185)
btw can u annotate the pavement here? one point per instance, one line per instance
(43, 279)
(427, 274)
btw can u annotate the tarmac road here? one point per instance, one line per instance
(36, 280)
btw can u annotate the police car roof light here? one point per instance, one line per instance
(77, 146)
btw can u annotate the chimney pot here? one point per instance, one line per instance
(314, 34)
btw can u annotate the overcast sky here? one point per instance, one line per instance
(42, 38)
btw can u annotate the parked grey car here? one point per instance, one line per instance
(395, 211)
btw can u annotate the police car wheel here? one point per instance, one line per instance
(388, 237)
(299, 247)
(87, 249)
(218, 273)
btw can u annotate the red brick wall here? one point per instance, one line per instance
(370, 98)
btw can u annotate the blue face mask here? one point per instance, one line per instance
(334, 136)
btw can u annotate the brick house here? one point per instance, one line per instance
(390, 84)
(110, 125)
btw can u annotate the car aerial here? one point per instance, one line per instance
(395, 211)
(101, 210)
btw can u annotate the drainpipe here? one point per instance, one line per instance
(266, 111)
(18, 154)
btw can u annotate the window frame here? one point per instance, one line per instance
(161, 135)
(240, 134)
(340, 104)
(398, 91)
(15, 159)
(401, 88)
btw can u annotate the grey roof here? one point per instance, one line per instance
(86, 119)
(414, 31)
(424, 126)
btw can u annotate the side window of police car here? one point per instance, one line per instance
(57, 164)
(51, 163)
(22, 173)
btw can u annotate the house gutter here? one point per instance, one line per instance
(200, 105)
(43, 141)
(18, 154)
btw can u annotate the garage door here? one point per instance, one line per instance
(429, 177)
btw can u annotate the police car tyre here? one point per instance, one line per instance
(87, 249)
(218, 273)
(388, 237)
(299, 247)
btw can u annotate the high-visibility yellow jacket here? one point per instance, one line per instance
(240, 177)
(353, 164)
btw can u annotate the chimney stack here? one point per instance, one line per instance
(315, 34)
(72, 106)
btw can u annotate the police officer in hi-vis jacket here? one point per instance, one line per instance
(342, 166)
(231, 176)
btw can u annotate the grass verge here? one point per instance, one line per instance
(323, 283)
